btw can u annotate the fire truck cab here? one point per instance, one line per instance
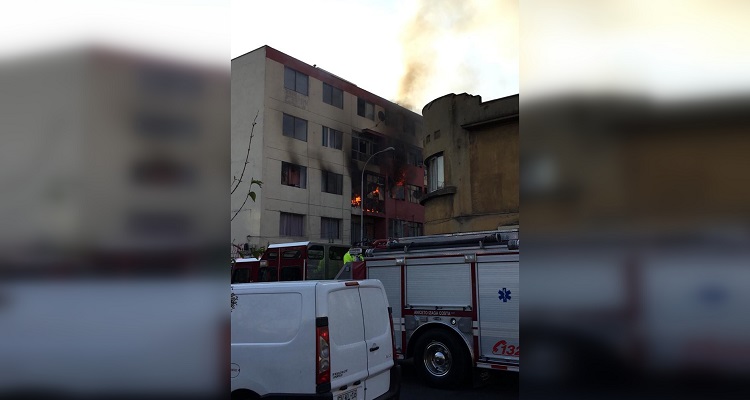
(296, 261)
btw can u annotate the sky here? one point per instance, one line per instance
(468, 46)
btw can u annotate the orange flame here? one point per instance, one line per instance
(357, 201)
(376, 192)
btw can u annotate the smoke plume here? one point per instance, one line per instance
(440, 45)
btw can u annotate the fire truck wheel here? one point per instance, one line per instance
(441, 359)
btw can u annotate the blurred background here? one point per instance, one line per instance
(113, 214)
(634, 199)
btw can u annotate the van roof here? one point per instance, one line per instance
(296, 284)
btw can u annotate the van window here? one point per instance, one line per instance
(256, 318)
(375, 312)
(345, 317)
(268, 274)
(291, 273)
(241, 275)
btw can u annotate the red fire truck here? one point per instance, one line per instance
(455, 301)
(291, 262)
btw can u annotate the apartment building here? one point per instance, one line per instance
(312, 136)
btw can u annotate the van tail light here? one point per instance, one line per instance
(393, 332)
(323, 350)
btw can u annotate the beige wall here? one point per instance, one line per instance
(480, 163)
(248, 98)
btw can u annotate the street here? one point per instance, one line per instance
(501, 385)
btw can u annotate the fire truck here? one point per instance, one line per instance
(455, 301)
(296, 261)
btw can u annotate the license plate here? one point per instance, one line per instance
(350, 395)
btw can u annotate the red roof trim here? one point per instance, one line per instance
(329, 78)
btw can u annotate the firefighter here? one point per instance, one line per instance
(349, 258)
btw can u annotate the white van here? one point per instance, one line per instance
(313, 339)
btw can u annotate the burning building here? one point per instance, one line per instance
(313, 134)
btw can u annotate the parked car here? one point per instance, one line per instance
(313, 339)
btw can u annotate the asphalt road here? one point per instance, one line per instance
(499, 386)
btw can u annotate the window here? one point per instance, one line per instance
(435, 173)
(291, 224)
(241, 275)
(291, 254)
(332, 138)
(427, 139)
(436, 134)
(374, 198)
(397, 192)
(332, 182)
(293, 175)
(400, 228)
(294, 127)
(315, 252)
(410, 127)
(268, 274)
(291, 273)
(333, 96)
(330, 228)
(295, 80)
(414, 193)
(414, 157)
(365, 109)
(337, 253)
(363, 146)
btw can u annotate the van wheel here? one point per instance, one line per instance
(441, 360)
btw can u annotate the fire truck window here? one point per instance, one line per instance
(241, 275)
(315, 252)
(274, 255)
(337, 253)
(291, 273)
(267, 274)
(291, 254)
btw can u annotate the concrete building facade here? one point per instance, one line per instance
(313, 133)
(471, 153)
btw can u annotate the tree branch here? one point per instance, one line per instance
(247, 158)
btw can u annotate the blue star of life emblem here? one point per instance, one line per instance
(504, 295)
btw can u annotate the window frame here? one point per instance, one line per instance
(295, 124)
(302, 171)
(435, 172)
(362, 108)
(297, 80)
(337, 135)
(326, 176)
(282, 232)
(410, 193)
(331, 90)
(325, 222)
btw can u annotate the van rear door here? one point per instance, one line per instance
(348, 349)
(378, 338)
